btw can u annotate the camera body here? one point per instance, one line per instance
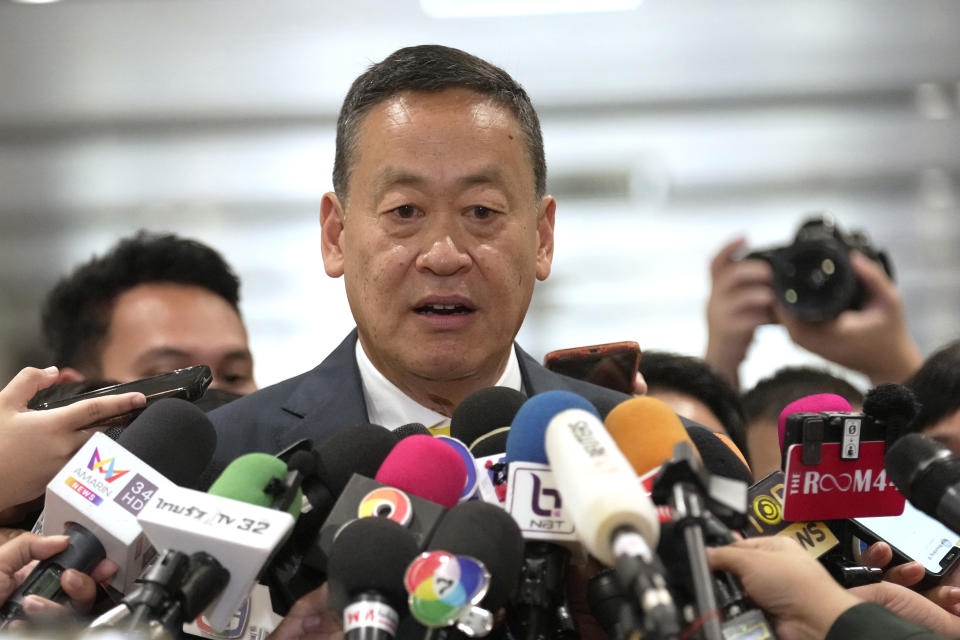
(813, 277)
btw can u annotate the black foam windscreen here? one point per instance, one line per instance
(370, 554)
(922, 469)
(483, 411)
(411, 429)
(174, 437)
(304, 461)
(486, 533)
(359, 449)
(893, 405)
(717, 457)
(493, 443)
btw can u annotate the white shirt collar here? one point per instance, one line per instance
(390, 407)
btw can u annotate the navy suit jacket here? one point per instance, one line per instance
(329, 398)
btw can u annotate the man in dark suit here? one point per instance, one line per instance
(440, 225)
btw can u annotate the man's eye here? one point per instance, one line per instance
(405, 211)
(481, 213)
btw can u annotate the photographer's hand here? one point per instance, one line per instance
(741, 300)
(873, 340)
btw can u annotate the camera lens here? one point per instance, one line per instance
(814, 279)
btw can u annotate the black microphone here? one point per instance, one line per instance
(482, 420)
(365, 574)
(473, 531)
(300, 565)
(411, 429)
(928, 475)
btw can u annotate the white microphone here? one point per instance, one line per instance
(241, 532)
(107, 483)
(614, 518)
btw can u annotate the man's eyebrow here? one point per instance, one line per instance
(161, 352)
(391, 177)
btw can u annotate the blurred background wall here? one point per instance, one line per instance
(671, 126)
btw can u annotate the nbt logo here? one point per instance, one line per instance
(106, 467)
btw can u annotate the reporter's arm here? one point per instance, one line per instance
(310, 619)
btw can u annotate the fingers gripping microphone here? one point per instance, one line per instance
(100, 491)
(615, 519)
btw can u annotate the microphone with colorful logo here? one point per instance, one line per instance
(420, 478)
(471, 566)
(535, 502)
(96, 496)
(244, 518)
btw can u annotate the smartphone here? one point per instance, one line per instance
(914, 535)
(188, 384)
(612, 365)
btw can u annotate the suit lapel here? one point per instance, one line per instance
(329, 399)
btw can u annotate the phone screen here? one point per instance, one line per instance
(917, 536)
(188, 383)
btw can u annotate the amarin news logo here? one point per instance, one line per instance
(106, 467)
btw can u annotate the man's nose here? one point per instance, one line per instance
(444, 252)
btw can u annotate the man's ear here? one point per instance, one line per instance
(69, 374)
(545, 221)
(331, 234)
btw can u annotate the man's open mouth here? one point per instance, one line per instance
(443, 309)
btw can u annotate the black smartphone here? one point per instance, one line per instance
(188, 384)
(612, 365)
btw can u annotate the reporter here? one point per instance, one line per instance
(806, 603)
(17, 559)
(34, 445)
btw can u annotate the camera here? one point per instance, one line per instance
(813, 277)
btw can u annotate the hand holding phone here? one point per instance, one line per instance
(34, 445)
(613, 365)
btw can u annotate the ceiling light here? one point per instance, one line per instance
(491, 8)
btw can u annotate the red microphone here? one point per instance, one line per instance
(426, 467)
(811, 404)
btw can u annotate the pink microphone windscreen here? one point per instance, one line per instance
(425, 467)
(811, 404)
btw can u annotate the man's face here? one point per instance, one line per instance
(441, 238)
(156, 328)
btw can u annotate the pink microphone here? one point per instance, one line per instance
(425, 467)
(811, 404)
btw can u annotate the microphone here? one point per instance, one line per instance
(535, 502)
(816, 403)
(301, 564)
(482, 420)
(426, 467)
(419, 478)
(616, 521)
(411, 429)
(719, 455)
(249, 511)
(471, 566)
(107, 483)
(646, 430)
(365, 574)
(928, 474)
